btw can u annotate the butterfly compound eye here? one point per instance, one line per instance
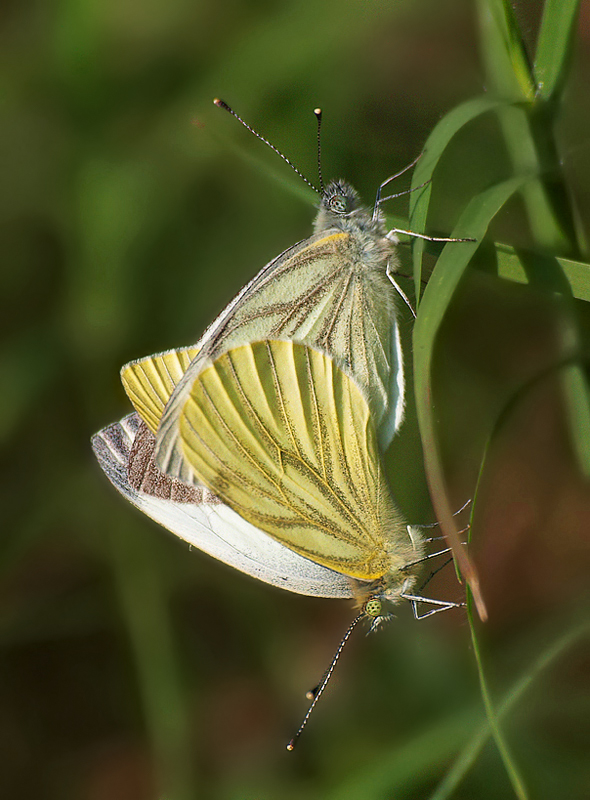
(373, 608)
(338, 204)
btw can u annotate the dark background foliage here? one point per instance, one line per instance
(132, 211)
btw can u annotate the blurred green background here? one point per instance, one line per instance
(132, 211)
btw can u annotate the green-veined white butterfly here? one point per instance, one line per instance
(286, 438)
(334, 291)
(125, 453)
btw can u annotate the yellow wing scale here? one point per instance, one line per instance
(150, 381)
(285, 438)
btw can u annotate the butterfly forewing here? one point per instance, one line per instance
(285, 438)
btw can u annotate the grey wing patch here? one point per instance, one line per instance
(144, 476)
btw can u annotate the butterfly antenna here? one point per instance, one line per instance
(319, 690)
(318, 114)
(222, 104)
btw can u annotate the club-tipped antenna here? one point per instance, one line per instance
(222, 104)
(316, 693)
(318, 114)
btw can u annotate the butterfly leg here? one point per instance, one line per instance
(440, 605)
(399, 290)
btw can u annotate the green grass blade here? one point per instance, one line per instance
(493, 720)
(554, 46)
(394, 772)
(435, 146)
(144, 608)
(504, 52)
(437, 297)
(529, 138)
(511, 267)
(468, 756)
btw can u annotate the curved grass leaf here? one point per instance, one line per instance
(437, 297)
(510, 265)
(435, 146)
(469, 754)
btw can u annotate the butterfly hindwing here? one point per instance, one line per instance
(285, 438)
(149, 382)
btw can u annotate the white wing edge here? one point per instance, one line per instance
(391, 423)
(214, 528)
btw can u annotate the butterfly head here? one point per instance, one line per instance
(340, 208)
(339, 198)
